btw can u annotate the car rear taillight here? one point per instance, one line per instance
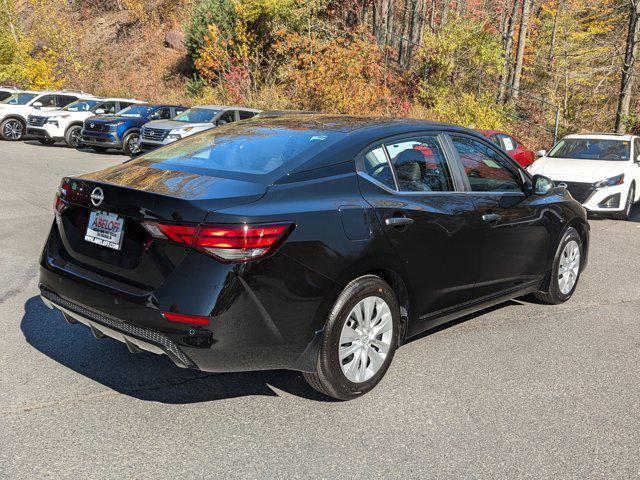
(189, 319)
(228, 243)
(58, 205)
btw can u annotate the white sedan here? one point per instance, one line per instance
(600, 171)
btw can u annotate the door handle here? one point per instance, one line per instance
(398, 222)
(491, 217)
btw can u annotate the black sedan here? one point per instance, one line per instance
(313, 243)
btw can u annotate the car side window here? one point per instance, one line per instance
(227, 117)
(484, 168)
(161, 114)
(636, 149)
(178, 111)
(496, 139)
(122, 106)
(64, 100)
(47, 100)
(377, 166)
(245, 115)
(108, 107)
(420, 165)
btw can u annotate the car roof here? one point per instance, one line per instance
(349, 123)
(227, 107)
(602, 136)
(118, 99)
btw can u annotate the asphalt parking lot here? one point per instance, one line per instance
(520, 391)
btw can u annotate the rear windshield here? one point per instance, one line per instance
(197, 115)
(245, 150)
(592, 149)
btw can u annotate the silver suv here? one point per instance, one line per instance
(197, 119)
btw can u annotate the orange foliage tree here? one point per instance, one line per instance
(340, 74)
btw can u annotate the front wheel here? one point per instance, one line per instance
(566, 269)
(12, 129)
(359, 341)
(131, 144)
(73, 136)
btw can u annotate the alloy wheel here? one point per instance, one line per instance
(134, 143)
(13, 130)
(75, 137)
(365, 339)
(569, 267)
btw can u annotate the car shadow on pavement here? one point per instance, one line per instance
(145, 376)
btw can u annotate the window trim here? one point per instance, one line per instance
(506, 161)
(440, 137)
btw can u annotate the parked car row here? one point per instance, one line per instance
(601, 171)
(126, 124)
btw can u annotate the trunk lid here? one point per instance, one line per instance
(137, 191)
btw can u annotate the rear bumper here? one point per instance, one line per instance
(255, 324)
(136, 338)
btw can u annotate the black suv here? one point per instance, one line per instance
(312, 243)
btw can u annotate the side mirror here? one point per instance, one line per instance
(37, 104)
(100, 111)
(541, 153)
(542, 185)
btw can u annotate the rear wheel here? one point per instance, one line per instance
(131, 144)
(73, 137)
(12, 129)
(566, 269)
(360, 339)
(626, 213)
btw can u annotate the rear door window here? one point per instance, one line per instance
(420, 165)
(108, 107)
(376, 165)
(508, 143)
(244, 115)
(227, 117)
(484, 167)
(64, 100)
(161, 114)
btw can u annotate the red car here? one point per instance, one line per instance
(512, 145)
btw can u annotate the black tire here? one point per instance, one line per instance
(99, 149)
(328, 377)
(130, 143)
(46, 141)
(553, 296)
(626, 213)
(12, 129)
(72, 136)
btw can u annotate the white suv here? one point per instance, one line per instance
(601, 171)
(15, 109)
(66, 124)
(6, 92)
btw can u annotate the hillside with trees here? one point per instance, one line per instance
(498, 64)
